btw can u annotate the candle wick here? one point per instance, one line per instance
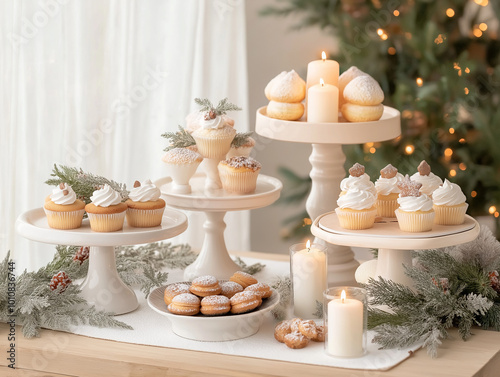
(343, 300)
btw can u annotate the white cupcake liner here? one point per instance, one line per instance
(106, 222)
(215, 147)
(238, 182)
(386, 208)
(144, 218)
(415, 221)
(450, 215)
(356, 220)
(64, 219)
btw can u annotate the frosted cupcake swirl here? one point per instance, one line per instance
(449, 194)
(106, 197)
(357, 199)
(415, 203)
(386, 186)
(220, 121)
(146, 192)
(429, 182)
(64, 195)
(361, 183)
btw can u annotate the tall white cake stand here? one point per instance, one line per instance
(394, 246)
(102, 287)
(214, 258)
(327, 161)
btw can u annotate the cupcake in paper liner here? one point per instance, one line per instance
(415, 213)
(388, 191)
(181, 166)
(214, 136)
(449, 204)
(106, 211)
(145, 208)
(63, 209)
(356, 209)
(358, 179)
(430, 182)
(239, 174)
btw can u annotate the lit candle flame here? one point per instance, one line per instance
(342, 296)
(323, 56)
(308, 245)
(322, 83)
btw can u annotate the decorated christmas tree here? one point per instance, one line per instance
(438, 63)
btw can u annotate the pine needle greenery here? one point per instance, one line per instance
(283, 285)
(252, 269)
(452, 287)
(240, 139)
(83, 183)
(222, 107)
(179, 139)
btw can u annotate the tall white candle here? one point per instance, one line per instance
(345, 327)
(309, 280)
(324, 68)
(323, 103)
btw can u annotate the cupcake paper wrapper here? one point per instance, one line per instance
(387, 208)
(144, 218)
(415, 222)
(356, 220)
(238, 182)
(64, 220)
(182, 173)
(106, 222)
(450, 215)
(216, 147)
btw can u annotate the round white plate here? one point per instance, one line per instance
(267, 192)
(386, 128)
(388, 235)
(216, 328)
(33, 225)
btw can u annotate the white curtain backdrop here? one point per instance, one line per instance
(94, 83)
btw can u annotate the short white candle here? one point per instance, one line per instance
(345, 327)
(324, 68)
(309, 280)
(323, 103)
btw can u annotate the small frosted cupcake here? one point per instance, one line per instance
(449, 204)
(63, 209)
(429, 180)
(388, 191)
(239, 174)
(145, 208)
(415, 213)
(358, 179)
(242, 150)
(356, 209)
(181, 166)
(106, 211)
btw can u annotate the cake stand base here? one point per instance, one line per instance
(389, 264)
(103, 287)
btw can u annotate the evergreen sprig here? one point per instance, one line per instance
(283, 285)
(179, 139)
(240, 139)
(252, 269)
(222, 107)
(83, 183)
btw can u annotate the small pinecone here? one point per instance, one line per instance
(82, 254)
(60, 279)
(494, 281)
(210, 115)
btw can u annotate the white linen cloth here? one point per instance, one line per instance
(154, 329)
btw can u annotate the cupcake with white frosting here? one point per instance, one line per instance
(428, 179)
(388, 191)
(145, 207)
(181, 166)
(356, 209)
(415, 212)
(106, 210)
(63, 209)
(449, 204)
(358, 179)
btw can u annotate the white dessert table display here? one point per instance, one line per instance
(327, 161)
(394, 246)
(102, 287)
(214, 258)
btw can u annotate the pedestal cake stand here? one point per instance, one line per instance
(394, 246)
(102, 287)
(214, 259)
(327, 160)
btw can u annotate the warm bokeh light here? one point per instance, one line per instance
(450, 12)
(373, 150)
(384, 37)
(396, 13)
(462, 166)
(453, 172)
(391, 51)
(483, 26)
(380, 31)
(323, 55)
(461, 141)
(477, 33)
(496, 214)
(481, 2)
(466, 90)
(492, 209)
(419, 81)
(448, 152)
(467, 70)
(473, 194)
(451, 130)
(409, 149)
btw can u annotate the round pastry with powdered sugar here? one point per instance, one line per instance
(244, 302)
(205, 286)
(215, 305)
(185, 304)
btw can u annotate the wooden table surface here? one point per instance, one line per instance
(62, 354)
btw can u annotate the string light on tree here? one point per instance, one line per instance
(409, 149)
(391, 51)
(473, 194)
(419, 81)
(466, 90)
(451, 130)
(462, 166)
(483, 3)
(450, 12)
(453, 173)
(492, 209)
(477, 33)
(396, 13)
(483, 26)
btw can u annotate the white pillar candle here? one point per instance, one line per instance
(324, 68)
(345, 327)
(323, 103)
(309, 280)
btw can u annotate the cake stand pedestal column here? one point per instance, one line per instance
(389, 264)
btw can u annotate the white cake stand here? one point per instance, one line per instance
(214, 258)
(327, 160)
(394, 246)
(102, 287)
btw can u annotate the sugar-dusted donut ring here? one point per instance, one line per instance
(363, 90)
(286, 87)
(358, 113)
(296, 340)
(285, 111)
(283, 328)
